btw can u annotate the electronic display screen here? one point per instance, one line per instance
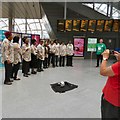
(76, 25)
(60, 25)
(100, 25)
(116, 26)
(92, 25)
(84, 24)
(108, 25)
(68, 25)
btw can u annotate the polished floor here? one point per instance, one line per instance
(33, 97)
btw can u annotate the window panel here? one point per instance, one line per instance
(32, 26)
(38, 26)
(102, 8)
(30, 21)
(20, 21)
(5, 28)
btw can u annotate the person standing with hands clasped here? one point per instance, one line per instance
(17, 58)
(33, 56)
(26, 55)
(7, 57)
(100, 48)
(69, 54)
(110, 103)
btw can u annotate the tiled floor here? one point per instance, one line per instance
(33, 97)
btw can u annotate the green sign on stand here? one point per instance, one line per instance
(92, 44)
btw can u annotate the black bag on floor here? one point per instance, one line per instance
(61, 89)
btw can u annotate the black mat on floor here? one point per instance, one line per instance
(62, 89)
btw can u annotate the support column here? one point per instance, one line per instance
(65, 10)
(111, 10)
(93, 6)
(25, 25)
(108, 9)
(11, 15)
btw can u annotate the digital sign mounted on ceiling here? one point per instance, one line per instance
(100, 25)
(76, 25)
(84, 24)
(88, 25)
(61, 25)
(116, 26)
(68, 25)
(91, 25)
(108, 25)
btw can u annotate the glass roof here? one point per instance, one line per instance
(102, 8)
(34, 26)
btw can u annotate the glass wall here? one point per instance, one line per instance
(102, 8)
(34, 26)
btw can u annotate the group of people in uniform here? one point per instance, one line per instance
(37, 57)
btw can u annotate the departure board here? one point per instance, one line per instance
(60, 25)
(68, 25)
(108, 25)
(92, 25)
(76, 25)
(116, 26)
(84, 24)
(100, 25)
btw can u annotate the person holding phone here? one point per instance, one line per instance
(110, 103)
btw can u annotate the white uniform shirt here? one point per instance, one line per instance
(33, 49)
(49, 48)
(7, 51)
(62, 50)
(57, 52)
(41, 52)
(70, 49)
(26, 52)
(53, 48)
(17, 53)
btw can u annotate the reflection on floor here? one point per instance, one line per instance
(33, 97)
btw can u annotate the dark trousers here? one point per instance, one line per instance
(108, 111)
(15, 69)
(53, 59)
(56, 60)
(45, 63)
(25, 67)
(40, 62)
(62, 61)
(99, 57)
(49, 59)
(69, 60)
(8, 71)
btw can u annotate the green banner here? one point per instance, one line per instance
(92, 44)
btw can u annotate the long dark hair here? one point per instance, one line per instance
(23, 39)
(16, 39)
(33, 41)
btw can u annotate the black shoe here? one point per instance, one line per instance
(33, 72)
(41, 70)
(7, 83)
(97, 66)
(25, 75)
(38, 70)
(28, 74)
(11, 80)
